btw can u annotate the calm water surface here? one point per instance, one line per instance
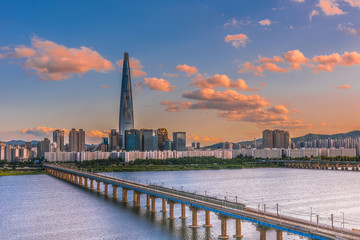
(43, 207)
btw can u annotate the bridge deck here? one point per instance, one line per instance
(226, 208)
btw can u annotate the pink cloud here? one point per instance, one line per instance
(159, 84)
(343, 87)
(51, 61)
(249, 67)
(275, 59)
(273, 67)
(238, 40)
(265, 22)
(135, 66)
(104, 86)
(312, 14)
(220, 80)
(296, 58)
(190, 70)
(175, 106)
(330, 7)
(281, 109)
(353, 3)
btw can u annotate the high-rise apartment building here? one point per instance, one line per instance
(126, 118)
(149, 140)
(77, 140)
(43, 147)
(113, 140)
(58, 138)
(162, 137)
(133, 140)
(276, 139)
(179, 141)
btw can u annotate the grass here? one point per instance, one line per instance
(15, 173)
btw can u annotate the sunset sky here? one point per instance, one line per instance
(219, 70)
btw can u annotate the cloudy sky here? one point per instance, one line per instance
(219, 70)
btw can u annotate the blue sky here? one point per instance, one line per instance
(162, 35)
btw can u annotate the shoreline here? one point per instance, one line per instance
(21, 172)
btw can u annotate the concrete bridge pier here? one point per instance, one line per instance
(153, 204)
(194, 211)
(125, 195)
(134, 196)
(86, 182)
(171, 209)
(183, 211)
(207, 219)
(106, 189)
(76, 179)
(262, 231)
(238, 234)
(223, 228)
(98, 187)
(164, 210)
(114, 191)
(148, 200)
(80, 181)
(92, 184)
(138, 199)
(279, 235)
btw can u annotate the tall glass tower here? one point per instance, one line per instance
(126, 119)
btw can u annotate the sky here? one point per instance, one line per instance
(219, 70)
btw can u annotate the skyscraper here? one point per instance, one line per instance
(179, 140)
(77, 140)
(162, 137)
(58, 138)
(267, 139)
(126, 118)
(113, 140)
(276, 139)
(149, 140)
(133, 140)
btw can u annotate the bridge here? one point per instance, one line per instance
(224, 209)
(316, 164)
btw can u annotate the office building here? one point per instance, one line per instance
(126, 118)
(113, 140)
(133, 140)
(162, 137)
(149, 140)
(179, 141)
(58, 138)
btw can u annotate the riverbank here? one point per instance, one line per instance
(21, 172)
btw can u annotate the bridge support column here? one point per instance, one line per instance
(80, 180)
(238, 229)
(138, 199)
(106, 189)
(223, 228)
(171, 206)
(279, 235)
(262, 231)
(194, 217)
(163, 205)
(148, 200)
(134, 196)
(125, 195)
(114, 191)
(183, 211)
(86, 182)
(92, 184)
(69, 177)
(153, 204)
(98, 186)
(207, 219)
(76, 179)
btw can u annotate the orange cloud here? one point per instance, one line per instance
(328, 62)
(159, 84)
(97, 133)
(262, 84)
(265, 22)
(296, 58)
(238, 40)
(330, 7)
(275, 59)
(272, 67)
(104, 86)
(281, 109)
(51, 61)
(135, 66)
(249, 67)
(343, 87)
(313, 14)
(207, 139)
(38, 131)
(190, 70)
(353, 3)
(220, 80)
(175, 106)
(323, 124)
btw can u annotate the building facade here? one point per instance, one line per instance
(179, 141)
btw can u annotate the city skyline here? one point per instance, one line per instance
(221, 71)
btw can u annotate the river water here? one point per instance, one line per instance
(44, 207)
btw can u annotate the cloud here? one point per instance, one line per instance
(275, 59)
(299, 1)
(262, 84)
(159, 84)
(135, 66)
(175, 106)
(281, 109)
(249, 67)
(329, 62)
(104, 86)
(235, 22)
(170, 75)
(273, 67)
(220, 80)
(38, 131)
(139, 85)
(51, 61)
(323, 124)
(190, 70)
(296, 58)
(97, 133)
(349, 29)
(204, 139)
(265, 22)
(343, 87)
(312, 14)
(238, 40)
(330, 7)
(353, 3)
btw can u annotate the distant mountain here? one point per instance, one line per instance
(312, 136)
(307, 137)
(21, 142)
